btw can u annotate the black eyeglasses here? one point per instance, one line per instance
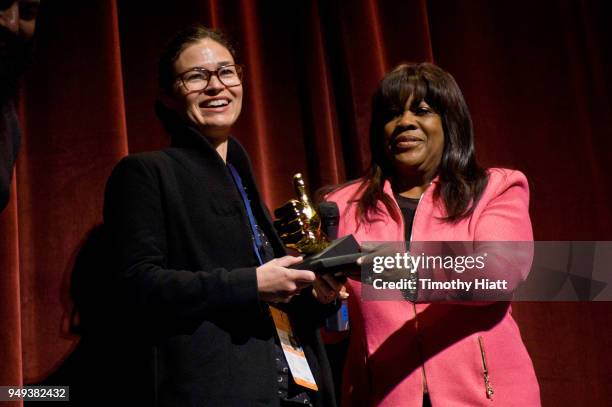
(197, 79)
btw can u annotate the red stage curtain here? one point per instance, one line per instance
(534, 75)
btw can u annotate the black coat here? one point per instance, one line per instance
(196, 333)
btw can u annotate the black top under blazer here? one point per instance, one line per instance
(185, 280)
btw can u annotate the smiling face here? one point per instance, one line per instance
(215, 108)
(414, 139)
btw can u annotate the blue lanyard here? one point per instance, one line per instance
(257, 244)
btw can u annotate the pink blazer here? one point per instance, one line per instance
(397, 348)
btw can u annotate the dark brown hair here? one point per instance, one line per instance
(178, 43)
(461, 179)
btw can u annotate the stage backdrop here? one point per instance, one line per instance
(534, 73)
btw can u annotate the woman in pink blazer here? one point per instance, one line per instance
(424, 184)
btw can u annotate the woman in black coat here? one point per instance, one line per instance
(197, 259)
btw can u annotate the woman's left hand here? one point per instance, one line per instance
(326, 288)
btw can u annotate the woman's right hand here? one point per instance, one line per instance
(277, 283)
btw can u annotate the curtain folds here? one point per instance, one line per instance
(535, 75)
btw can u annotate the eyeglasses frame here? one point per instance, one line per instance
(239, 72)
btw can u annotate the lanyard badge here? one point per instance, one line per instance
(296, 359)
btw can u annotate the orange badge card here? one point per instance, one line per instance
(293, 351)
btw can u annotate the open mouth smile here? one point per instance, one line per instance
(215, 103)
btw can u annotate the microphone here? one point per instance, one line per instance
(330, 216)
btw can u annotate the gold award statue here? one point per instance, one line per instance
(299, 224)
(299, 227)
